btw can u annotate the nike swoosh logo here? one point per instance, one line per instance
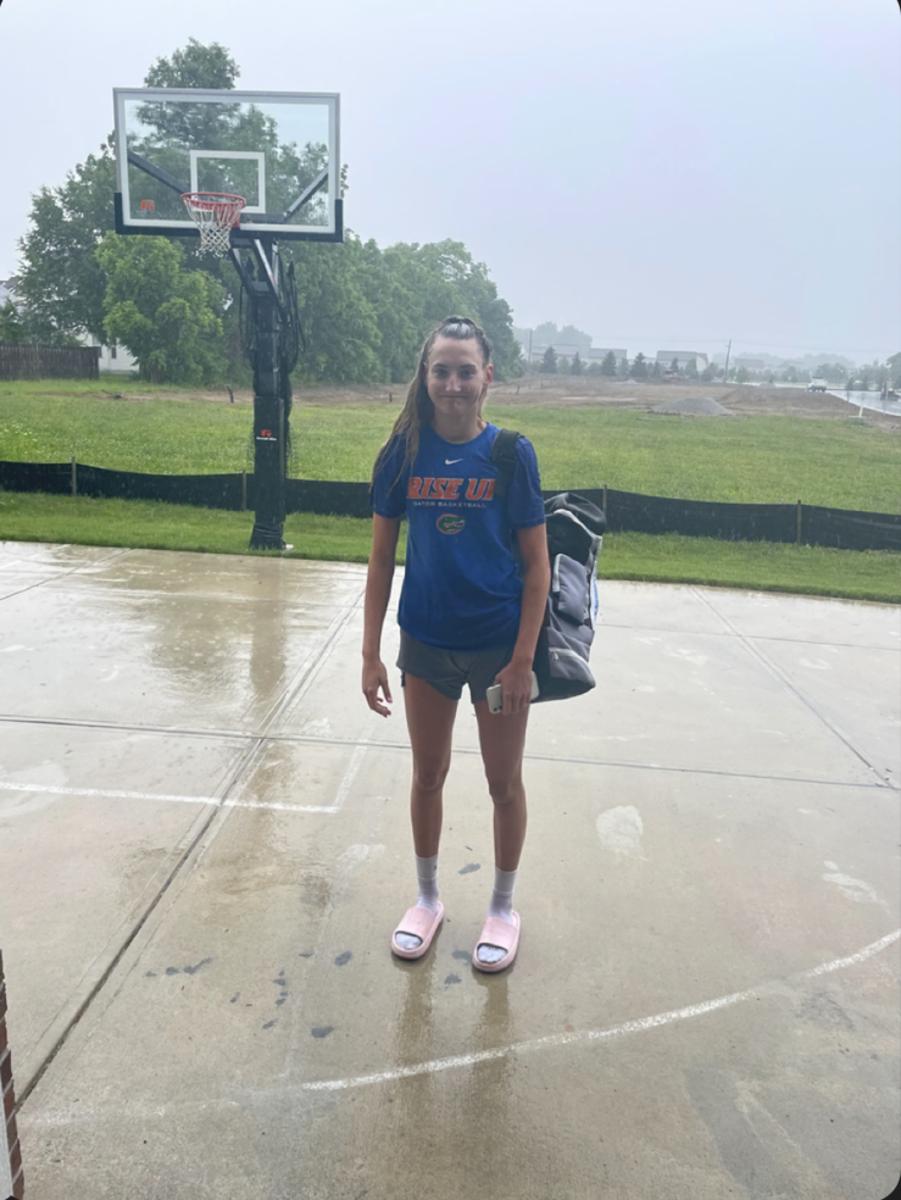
(449, 462)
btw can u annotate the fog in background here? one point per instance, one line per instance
(658, 175)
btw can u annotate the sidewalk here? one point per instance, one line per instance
(204, 846)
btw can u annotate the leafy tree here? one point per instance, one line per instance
(742, 375)
(168, 317)
(195, 66)
(608, 366)
(595, 368)
(61, 283)
(577, 367)
(12, 327)
(710, 372)
(623, 369)
(655, 371)
(790, 374)
(893, 362)
(674, 367)
(639, 368)
(549, 361)
(691, 369)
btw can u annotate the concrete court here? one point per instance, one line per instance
(204, 846)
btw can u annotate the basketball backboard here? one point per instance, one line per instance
(279, 150)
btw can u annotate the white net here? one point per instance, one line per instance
(215, 214)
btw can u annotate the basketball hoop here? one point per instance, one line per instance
(215, 214)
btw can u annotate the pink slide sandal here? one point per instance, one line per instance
(501, 933)
(420, 922)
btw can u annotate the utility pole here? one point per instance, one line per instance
(726, 369)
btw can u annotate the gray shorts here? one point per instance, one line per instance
(448, 670)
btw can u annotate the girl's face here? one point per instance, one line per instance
(456, 378)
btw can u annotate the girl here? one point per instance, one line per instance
(475, 586)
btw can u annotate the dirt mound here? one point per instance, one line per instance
(693, 406)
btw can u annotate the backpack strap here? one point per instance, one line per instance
(503, 455)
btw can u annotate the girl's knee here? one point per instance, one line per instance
(430, 777)
(505, 791)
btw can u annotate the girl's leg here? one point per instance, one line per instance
(502, 740)
(430, 721)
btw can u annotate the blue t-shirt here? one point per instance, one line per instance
(462, 586)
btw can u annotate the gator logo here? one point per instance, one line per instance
(450, 523)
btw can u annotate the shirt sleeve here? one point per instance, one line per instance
(388, 494)
(524, 502)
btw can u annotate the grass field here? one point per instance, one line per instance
(749, 459)
(765, 458)
(764, 566)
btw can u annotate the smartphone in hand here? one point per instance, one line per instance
(495, 698)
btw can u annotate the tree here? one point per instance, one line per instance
(196, 66)
(61, 283)
(742, 375)
(639, 367)
(622, 367)
(549, 361)
(608, 366)
(595, 368)
(576, 367)
(894, 365)
(674, 367)
(710, 372)
(12, 327)
(168, 317)
(656, 371)
(691, 369)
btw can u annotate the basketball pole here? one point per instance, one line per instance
(271, 393)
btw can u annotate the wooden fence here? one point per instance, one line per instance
(49, 362)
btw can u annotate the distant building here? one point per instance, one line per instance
(682, 357)
(115, 359)
(598, 354)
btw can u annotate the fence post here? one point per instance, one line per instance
(798, 524)
(243, 491)
(74, 485)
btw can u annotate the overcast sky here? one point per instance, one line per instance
(660, 175)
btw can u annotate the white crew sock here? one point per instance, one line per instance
(501, 906)
(427, 878)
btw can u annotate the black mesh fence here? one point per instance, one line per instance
(804, 524)
(701, 518)
(843, 527)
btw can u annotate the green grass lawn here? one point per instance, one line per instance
(839, 464)
(765, 566)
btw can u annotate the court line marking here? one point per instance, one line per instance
(61, 1119)
(594, 1035)
(166, 797)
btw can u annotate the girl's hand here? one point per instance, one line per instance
(375, 677)
(516, 687)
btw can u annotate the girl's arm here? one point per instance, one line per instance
(516, 677)
(385, 532)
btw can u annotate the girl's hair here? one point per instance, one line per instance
(418, 408)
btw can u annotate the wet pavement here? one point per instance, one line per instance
(204, 846)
